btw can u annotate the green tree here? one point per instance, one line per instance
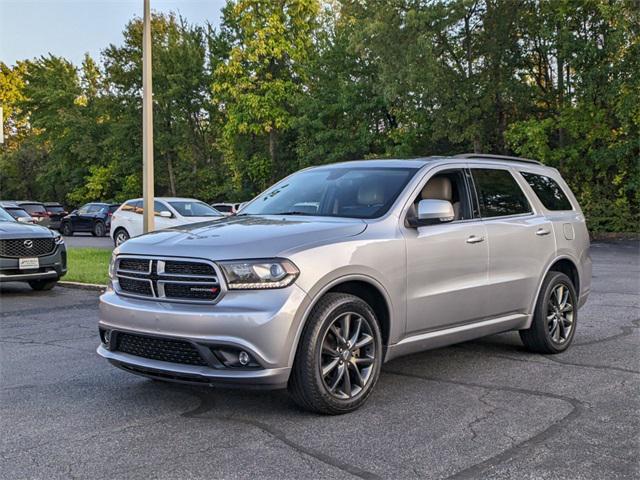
(185, 121)
(584, 64)
(255, 86)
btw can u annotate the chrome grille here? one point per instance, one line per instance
(166, 279)
(27, 247)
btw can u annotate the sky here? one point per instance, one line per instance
(70, 28)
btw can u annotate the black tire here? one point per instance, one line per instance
(99, 229)
(66, 229)
(42, 285)
(552, 330)
(307, 385)
(120, 236)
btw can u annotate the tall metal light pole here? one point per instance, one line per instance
(147, 124)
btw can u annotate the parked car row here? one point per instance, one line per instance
(119, 221)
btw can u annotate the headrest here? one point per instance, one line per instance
(438, 188)
(371, 194)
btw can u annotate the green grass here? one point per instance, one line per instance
(88, 265)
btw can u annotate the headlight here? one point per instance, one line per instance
(112, 266)
(259, 274)
(58, 239)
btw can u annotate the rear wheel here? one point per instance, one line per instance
(120, 236)
(66, 229)
(42, 285)
(99, 230)
(339, 356)
(555, 316)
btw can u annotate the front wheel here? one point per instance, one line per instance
(339, 356)
(42, 285)
(555, 317)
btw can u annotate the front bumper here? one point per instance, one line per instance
(265, 324)
(52, 267)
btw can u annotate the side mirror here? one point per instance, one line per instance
(435, 210)
(166, 214)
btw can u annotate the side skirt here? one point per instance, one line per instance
(461, 333)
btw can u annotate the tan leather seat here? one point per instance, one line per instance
(440, 188)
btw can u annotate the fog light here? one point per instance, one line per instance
(107, 337)
(243, 358)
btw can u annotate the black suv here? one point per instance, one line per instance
(30, 253)
(91, 217)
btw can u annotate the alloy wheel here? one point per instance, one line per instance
(560, 314)
(347, 356)
(121, 237)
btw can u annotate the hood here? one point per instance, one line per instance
(242, 237)
(23, 230)
(192, 220)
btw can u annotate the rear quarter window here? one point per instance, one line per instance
(548, 191)
(129, 206)
(499, 195)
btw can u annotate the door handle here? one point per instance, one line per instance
(474, 239)
(542, 231)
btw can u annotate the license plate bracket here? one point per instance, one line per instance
(32, 263)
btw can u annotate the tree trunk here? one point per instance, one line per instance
(172, 178)
(275, 173)
(560, 75)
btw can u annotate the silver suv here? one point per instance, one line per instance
(339, 268)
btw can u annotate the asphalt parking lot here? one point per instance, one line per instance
(483, 409)
(82, 240)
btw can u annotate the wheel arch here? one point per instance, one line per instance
(114, 232)
(362, 286)
(563, 264)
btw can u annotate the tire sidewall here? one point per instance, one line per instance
(541, 310)
(117, 233)
(321, 322)
(99, 229)
(66, 229)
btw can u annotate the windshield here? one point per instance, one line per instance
(18, 213)
(194, 209)
(334, 192)
(5, 217)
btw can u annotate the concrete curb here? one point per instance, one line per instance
(82, 286)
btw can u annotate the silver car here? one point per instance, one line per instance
(339, 268)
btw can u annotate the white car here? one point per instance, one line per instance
(227, 209)
(169, 212)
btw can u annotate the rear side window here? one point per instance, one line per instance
(499, 194)
(129, 206)
(548, 191)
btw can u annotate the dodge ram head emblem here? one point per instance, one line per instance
(28, 243)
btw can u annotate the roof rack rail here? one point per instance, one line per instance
(471, 156)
